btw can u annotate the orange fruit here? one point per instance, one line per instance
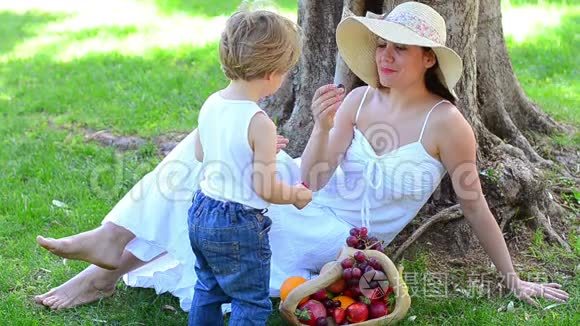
(344, 301)
(289, 285)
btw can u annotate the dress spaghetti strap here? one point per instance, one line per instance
(427, 118)
(361, 104)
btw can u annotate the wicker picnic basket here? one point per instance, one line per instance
(332, 272)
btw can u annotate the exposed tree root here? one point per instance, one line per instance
(544, 221)
(446, 215)
(507, 214)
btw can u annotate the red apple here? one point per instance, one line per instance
(357, 312)
(309, 312)
(378, 309)
(339, 315)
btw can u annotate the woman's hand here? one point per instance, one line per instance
(325, 102)
(526, 291)
(281, 143)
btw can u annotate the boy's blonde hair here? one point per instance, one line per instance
(257, 43)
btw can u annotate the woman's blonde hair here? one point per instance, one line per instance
(257, 43)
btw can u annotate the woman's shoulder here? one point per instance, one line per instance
(355, 96)
(351, 103)
(445, 114)
(360, 91)
(449, 123)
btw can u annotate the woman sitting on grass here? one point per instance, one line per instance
(409, 101)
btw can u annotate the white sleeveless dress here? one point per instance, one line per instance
(382, 192)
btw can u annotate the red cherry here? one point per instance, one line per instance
(328, 303)
(374, 263)
(363, 265)
(353, 282)
(363, 232)
(347, 263)
(321, 321)
(347, 273)
(352, 241)
(356, 273)
(360, 256)
(356, 291)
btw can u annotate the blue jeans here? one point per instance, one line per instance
(232, 249)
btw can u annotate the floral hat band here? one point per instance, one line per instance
(418, 25)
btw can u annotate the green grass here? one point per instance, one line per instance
(146, 72)
(197, 7)
(547, 65)
(540, 3)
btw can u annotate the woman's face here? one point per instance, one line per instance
(402, 66)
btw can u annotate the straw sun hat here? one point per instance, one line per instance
(410, 23)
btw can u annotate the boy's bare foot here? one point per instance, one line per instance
(90, 285)
(102, 247)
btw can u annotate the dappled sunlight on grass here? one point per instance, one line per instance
(16, 27)
(129, 95)
(201, 7)
(127, 27)
(160, 33)
(160, 89)
(546, 64)
(523, 22)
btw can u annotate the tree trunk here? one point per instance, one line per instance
(490, 98)
(318, 20)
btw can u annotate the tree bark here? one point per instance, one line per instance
(490, 98)
(318, 20)
(505, 109)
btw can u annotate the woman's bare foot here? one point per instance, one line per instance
(102, 246)
(92, 284)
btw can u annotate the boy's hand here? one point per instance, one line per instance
(304, 196)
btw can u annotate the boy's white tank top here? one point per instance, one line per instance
(228, 157)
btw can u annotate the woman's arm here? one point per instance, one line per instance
(457, 149)
(331, 135)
